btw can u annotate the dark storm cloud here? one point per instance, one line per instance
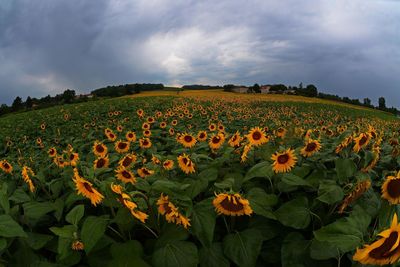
(350, 48)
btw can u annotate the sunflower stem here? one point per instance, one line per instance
(116, 232)
(151, 230)
(226, 225)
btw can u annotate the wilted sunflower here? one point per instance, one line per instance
(52, 152)
(26, 175)
(257, 137)
(232, 204)
(130, 136)
(202, 136)
(310, 148)
(77, 245)
(391, 189)
(101, 163)
(125, 175)
(171, 212)
(246, 150)
(168, 164)
(85, 188)
(185, 163)
(284, 161)
(235, 140)
(127, 160)
(383, 251)
(99, 149)
(187, 140)
(144, 172)
(216, 141)
(121, 146)
(281, 132)
(144, 143)
(60, 162)
(361, 141)
(6, 166)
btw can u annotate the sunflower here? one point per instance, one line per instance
(125, 175)
(284, 161)
(146, 133)
(111, 136)
(52, 152)
(168, 164)
(99, 149)
(130, 136)
(155, 160)
(391, 189)
(232, 204)
(186, 165)
(235, 140)
(77, 245)
(73, 159)
(150, 120)
(216, 141)
(361, 141)
(163, 125)
(310, 148)
(171, 212)
(245, 152)
(140, 112)
(212, 127)
(256, 136)
(122, 147)
(85, 188)
(144, 143)
(202, 136)
(119, 128)
(281, 132)
(26, 175)
(145, 126)
(144, 172)
(383, 251)
(60, 162)
(174, 122)
(171, 131)
(43, 126)
(127, 160)
(187, 140)
(101, 163)
(6, 166)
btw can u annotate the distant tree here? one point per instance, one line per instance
(301, 86)
(367, 102)
(228, 87)
(29, 102)
(256, 88)
(311, 90)
(382, 103)
(17, 104)
(4, 109)
(68, 96)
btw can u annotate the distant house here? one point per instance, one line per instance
(265, 89)
(84, 95)
(240, 89)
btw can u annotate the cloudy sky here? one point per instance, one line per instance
(350, 48)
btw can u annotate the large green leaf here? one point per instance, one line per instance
(10, 228)
(329, 192)
(203, 222)
(294, 251)
(295, 213)
(345, 234)
(244, 247)
(67, 231)
(127, 254)
(262, 169)
(92, 231)
(213, 256)
(36, 210)
(294, 180)
(37, 241)
(4, 203)
(176, 254)
(75, 215)
(261, 202)
(345, 168)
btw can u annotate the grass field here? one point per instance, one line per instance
(205, 178)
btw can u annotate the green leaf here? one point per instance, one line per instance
(203, 222)
(345, 168)
(262, 169)
(291, 179)
(176, 254)
(225, 184)
(345, 234)
(4, 203)
(294, 250)
(19, 196)
(211, 174)
(37, 241)
(213, 256)
(10, 228)
(3, 243)
(92, 231)
(171, 232)
(323, 250)
(35, 210)
(261, 202)
(196, 186)
(244, 247)
(329, 192)
(295, 213)
(75, 215)
(127, 254)
(67, 231)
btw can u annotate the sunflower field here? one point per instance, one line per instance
(190, 180)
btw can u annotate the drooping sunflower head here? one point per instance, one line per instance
(284, 161)
(256, 136)
(144, 172)
(361, 141)
(186, 164)
(235, 140)
(99, 149)
(187, 140)
(73, 159)
(168, 164)
(121, 146)
(281, 132)
(310, 148)
(391, 189)
(101, 163)
(85, 188)
(232, 205)
(125, 175)
(77, 245)
(383, 251)
(202, 136)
